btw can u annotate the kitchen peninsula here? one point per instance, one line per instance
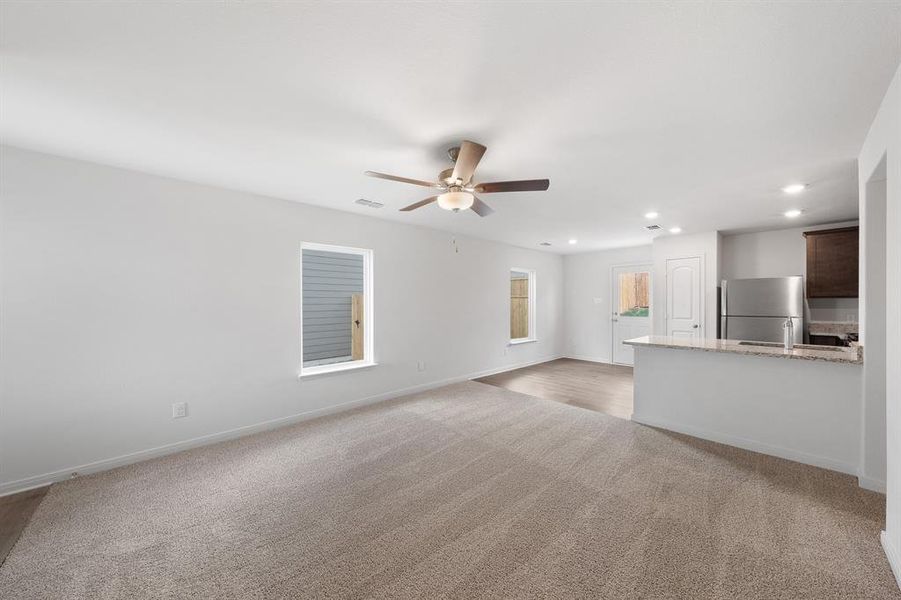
(801, 404)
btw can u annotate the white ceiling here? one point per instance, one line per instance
(700, 111)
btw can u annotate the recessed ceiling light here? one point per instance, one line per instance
(791, 214)
(573, 241)
(675, 230)
(651, 215)
(795, 188)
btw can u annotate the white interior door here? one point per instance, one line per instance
(684, 298)
(631, 309)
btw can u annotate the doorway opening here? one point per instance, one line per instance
(631, 318)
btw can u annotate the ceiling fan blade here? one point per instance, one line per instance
(480, 208)
(528, 185)
(430, 184)
(467, 160)
(419, 204)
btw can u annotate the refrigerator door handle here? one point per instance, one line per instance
(724, 303)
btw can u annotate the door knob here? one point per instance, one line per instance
(695, 326)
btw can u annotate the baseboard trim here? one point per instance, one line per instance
(869, 483)
(595, 359)
(891, 553)
(495, 371)
(753, 446)
(21, 485)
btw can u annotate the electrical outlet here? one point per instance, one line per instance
(179, 410)
(420, 365)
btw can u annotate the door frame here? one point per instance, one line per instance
(614, 298)
(702, 329)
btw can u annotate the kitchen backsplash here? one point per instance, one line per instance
(833, 309)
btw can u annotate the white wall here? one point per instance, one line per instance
(122, 293)
(873, 279)
(883, 142)
(782, 253)
(706, 245)
(588, 299)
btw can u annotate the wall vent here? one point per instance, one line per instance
(369, 203)
(652, 227)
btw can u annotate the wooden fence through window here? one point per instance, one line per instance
(519, 308)
(633, 291)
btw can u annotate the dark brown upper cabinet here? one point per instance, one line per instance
(832, 262)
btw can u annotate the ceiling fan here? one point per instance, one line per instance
(457, 187)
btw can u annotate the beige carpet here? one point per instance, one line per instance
(463, 492)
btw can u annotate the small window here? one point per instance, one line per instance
(634, 294)
(336, 308)
(522, 305)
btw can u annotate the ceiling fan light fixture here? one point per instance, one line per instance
(455, 200)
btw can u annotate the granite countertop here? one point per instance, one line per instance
(848, 355)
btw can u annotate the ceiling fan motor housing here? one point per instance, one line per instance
(447, 177)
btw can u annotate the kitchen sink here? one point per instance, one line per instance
(801, 346)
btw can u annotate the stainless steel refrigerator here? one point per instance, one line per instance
(755, 309)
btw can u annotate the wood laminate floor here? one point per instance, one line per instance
(15, 511)
(595, 386)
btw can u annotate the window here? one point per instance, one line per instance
(522, 306)
(634, 294)
(336, 308)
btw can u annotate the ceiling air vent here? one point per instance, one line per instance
(369, 203)
(544, 244)
(652, 227)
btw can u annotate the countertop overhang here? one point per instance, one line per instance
(850, 355)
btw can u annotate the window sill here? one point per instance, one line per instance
(336, 368)
(522, 341)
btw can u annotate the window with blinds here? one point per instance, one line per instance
(334, 298)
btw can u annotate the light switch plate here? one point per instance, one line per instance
(179, 410)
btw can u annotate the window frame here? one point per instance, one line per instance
(533, 306)
(368, 359)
